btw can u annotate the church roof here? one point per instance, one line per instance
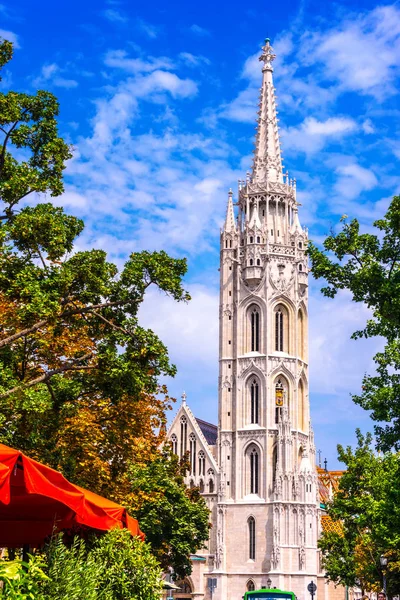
(209, 431)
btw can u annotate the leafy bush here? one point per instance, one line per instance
(111, 567)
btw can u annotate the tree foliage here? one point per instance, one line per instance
(78, 373)
(368, 265)
(175, 519)
(368, 506)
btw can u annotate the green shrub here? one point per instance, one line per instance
(112, 566)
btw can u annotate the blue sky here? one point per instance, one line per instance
(159, 101)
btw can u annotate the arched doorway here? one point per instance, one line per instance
(185, 592)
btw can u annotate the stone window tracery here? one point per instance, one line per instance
(254, 470)
(174, 442)
(202, 462)
(281, 329)
(192, 441)
(254, 402)
(183, 435)
(254, 329)
(251, 523)
(250, 586)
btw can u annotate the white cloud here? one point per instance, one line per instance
(115, 16)
(119, 59)
(312, 135)
(362, 54)
(52, 74)
(337, 364)
(150, 31)
(11, 37)
(192, 60)
(368, 127)
(354, 179)
(200, 31)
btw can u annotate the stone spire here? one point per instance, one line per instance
(267, 163)
(230, 226)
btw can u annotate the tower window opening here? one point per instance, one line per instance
(300, 267)
(263, 213)
(258, 239)
(258, 262)
(255, 330)
(254, 471)
(251, 262)
(279, 398)
(229, 318)
(278, 232)
(230, 243)
(300, 245)
(279, 330)
(272, 232)
(174, 441)
(192, 439)
(183, 435)
(251, 239)
(254, 401)
(202, 463)
(210, 486)
(252, 539)
(229, 293)
(230, 268)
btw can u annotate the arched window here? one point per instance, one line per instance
(258, 239)
(254, 402)
(281, 329)
(174, 442)
(202, 463)
(302, 407)
(184, 587)
(255, 329)
(258, 262)
(210, 486)
(281, 396)
(183, 435)
(300, 267)
(251, 239)
(192, 440)
(201, 486)
(191, 484)
(300, 245)
(251, 523)
(250, 586)
(300, 335)
(251, 262)
(254, 471)
(274, 464)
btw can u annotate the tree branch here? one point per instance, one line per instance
(47, 376)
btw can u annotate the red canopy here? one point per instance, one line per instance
(34, 500)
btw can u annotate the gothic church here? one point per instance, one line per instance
(257, 469)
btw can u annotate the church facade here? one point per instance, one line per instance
(257, 469)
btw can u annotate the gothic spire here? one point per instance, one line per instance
(267, 163)
(230, 225)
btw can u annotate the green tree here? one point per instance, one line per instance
(368, 265)
(78, 373)
(175, 519)
(367, 505)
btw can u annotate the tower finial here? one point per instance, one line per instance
(267, 163)
(230, 226)
(184, 396)
(267, 55)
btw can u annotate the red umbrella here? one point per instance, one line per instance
(35, 500)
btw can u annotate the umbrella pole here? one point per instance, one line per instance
(25, 553)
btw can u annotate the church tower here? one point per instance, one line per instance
(267, 511)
